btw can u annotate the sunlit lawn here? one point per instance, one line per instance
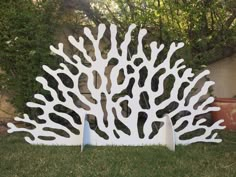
(18, 158)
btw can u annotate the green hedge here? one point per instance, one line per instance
(26, 31)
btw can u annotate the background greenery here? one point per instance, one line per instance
(26, 30)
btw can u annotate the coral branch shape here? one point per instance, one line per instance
(44, 132)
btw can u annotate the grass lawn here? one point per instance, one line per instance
(17, 158)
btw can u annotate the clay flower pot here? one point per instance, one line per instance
(227, 112)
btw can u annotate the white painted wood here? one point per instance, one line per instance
(169, 134)
(165, 136)
(83, 133)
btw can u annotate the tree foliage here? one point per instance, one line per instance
(207, 27)
(203, 25)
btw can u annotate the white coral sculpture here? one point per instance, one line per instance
(113, 110)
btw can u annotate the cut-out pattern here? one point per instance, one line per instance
(113, 127)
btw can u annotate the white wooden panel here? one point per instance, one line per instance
(167, 134)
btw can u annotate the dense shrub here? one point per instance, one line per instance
(26, 31)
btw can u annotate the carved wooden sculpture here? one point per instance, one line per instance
(113, 109)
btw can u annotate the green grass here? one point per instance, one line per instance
(17, 158)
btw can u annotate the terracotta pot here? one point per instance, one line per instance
(227, 112)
